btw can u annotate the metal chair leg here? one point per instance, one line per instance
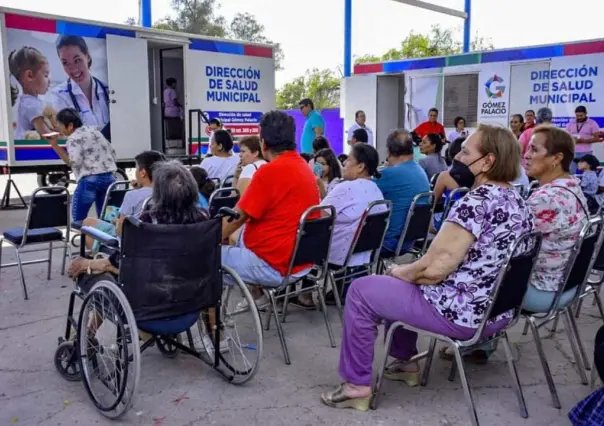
(573, 323)
(336, 294)
(526, 328)
(465, 386)
(21, 276)
(332, 340)
(65, 250)
(452, 372)
(379, 378)
(275, 312)
(286, 301)
(598, 303)
(579, 306)
(428, 363)
(555, 325)
(269, 309)
(1, 241)
(546, 371)
(49, 260)
(574, 344)
(514, 374)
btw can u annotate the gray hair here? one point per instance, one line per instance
(399, 143)
(544, 115)
(175, 194)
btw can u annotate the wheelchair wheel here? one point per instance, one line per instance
(241, 332)
(109, 349)
(66, 362)
(166, 348)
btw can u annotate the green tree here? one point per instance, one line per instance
(202, 17)
(322, 86)
(438, 42)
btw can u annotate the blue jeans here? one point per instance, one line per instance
(91, 189)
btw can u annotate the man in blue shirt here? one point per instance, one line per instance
(400, 182)
(313, 127)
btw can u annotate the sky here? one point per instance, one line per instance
(311, 32)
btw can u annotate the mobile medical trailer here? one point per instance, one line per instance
(225, 79)
(482, 87)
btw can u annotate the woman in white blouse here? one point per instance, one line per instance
(251, 160)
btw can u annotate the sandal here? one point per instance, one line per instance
(395, 371)
(338, 399)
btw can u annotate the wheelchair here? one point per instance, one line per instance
(170, 278)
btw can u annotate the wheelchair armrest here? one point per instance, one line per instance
(228, 212)
(102, 237)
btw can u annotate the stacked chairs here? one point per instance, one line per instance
(313, 242)
(368, 238)
(49, 210)
(507, 295)
(162, 290)
(582, 258)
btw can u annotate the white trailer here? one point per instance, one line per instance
(482, 87)
(127, 67)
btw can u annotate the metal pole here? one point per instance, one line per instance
(467, 26)
(146, 13)
(347, 38)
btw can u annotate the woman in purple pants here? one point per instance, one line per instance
(447, 290)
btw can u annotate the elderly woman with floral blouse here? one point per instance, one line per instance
(447, 290)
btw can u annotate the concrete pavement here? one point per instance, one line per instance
(186, 392)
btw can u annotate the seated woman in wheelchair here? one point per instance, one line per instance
(447, 290)
(175, 200)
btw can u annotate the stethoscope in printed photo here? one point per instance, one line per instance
(106, 130)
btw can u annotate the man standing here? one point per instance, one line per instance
(431, 126)
(359, 123)
(529, 119)
(313, 127)
(585, 131)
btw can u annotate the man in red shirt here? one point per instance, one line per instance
(431, 126)
(271, 208)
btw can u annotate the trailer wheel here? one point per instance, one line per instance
(50, 179)
(120, 174)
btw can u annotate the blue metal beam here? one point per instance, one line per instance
(347, 38)
(146, 20)
(467, 26)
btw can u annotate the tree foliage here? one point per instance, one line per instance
(202, 17)
(322, 86)
(438, 42)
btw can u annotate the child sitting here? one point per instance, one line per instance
(588, 164)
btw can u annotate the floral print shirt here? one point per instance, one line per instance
(90, 153)
(559, 216)
(496, 216)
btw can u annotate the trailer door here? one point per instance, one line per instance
(128, 71)
(522, 87)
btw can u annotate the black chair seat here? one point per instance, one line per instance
(40, 235)
(77, 224)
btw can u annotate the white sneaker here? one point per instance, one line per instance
(261, 303)
(209, 346)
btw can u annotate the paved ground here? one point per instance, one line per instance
(186, 392)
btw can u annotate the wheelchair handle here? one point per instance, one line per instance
(229, 213)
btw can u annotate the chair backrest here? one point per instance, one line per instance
(115, 195)
(419, 220)
(454, 196)
(512, 282)
(583, 255)
(433, 180)
(170, 270)
(371, 231)
(313, 239)
(216, 181)
(49, 208)
(227, 182)
(223, 197)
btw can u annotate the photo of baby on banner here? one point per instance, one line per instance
(51, 72)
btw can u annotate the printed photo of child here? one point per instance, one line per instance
(31, 69)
